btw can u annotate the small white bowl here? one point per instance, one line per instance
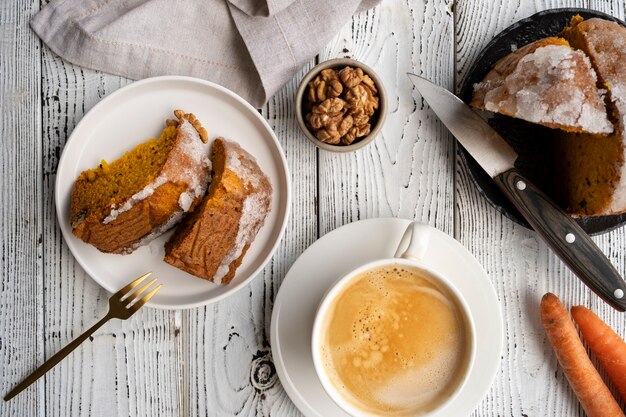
(381, 113)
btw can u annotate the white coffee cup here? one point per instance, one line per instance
(412, 257)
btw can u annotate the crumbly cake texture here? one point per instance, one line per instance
(591, 172)
(120, 206)
(546, 82)
(211, 242)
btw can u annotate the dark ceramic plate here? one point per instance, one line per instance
(528, 139)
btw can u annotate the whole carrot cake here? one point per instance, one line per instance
(122, 205)
(211, 242)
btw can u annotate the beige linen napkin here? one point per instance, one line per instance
(252, 47)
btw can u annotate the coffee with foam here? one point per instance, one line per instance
(394, 342)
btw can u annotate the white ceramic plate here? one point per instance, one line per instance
(341, 251)
(132, 115)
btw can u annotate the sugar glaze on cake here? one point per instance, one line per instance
(120, 206)
(591, 170)
(254, 207)
(211, 242)
(191, 171)
(546, 82)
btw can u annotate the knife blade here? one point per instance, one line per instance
(566, 238)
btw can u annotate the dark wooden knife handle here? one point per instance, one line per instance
(568, 240)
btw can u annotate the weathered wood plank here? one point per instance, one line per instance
(128, 368)
(215, 361)
(408, 170)
(21, 296)
(228, 368)
(520, 265)
(613, 7)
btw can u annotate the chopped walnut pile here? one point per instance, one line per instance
(340, 105)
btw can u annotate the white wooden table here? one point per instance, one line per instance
(216, 361)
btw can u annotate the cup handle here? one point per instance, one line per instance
(418, 235)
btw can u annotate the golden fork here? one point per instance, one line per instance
(121, 306)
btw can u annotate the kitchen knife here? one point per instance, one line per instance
(566, 238)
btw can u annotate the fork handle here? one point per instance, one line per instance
(50, 363)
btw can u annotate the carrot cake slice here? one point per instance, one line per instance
(546, 82)
(591, 169)
(211, 242)
(122, 205)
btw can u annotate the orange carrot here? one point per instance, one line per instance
(593, 394)
(609, 348)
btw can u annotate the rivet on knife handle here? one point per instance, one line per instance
(568, 240)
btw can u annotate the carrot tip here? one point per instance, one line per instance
(548, 296)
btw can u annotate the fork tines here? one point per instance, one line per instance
(130, 298)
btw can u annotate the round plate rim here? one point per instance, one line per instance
(301, 403)
(67, 234)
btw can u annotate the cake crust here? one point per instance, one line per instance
(157, 205)
(589, 58)
(213, 240)
(592, 168)
(546, 82)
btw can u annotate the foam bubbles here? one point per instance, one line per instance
(394, 340)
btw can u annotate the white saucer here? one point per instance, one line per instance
(342, 250)
(130, 116)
